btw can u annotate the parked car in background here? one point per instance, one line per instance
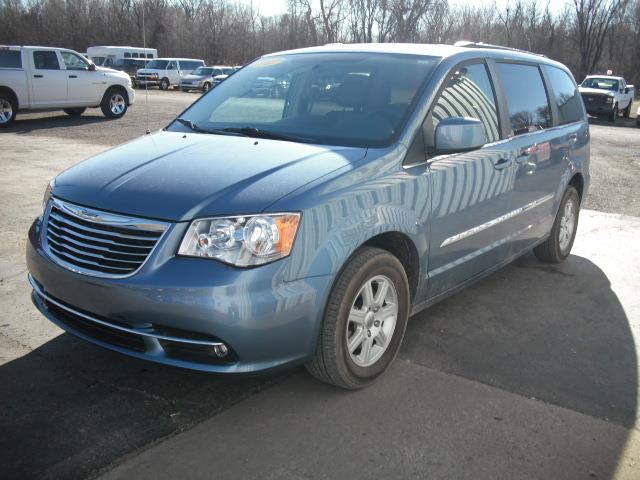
(202, 78)
(130, 66)
(166, 72)
(313, 242)
(220, 78)
(107, 56)
(45, 78)
(607, 95)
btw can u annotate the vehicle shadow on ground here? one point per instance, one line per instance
(557, 333)
(33, 123)
(621, 122)
(70, 408)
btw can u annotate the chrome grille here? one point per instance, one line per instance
(98, 243)
(594, 99)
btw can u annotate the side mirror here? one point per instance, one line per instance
(459, 134)
(92, 67)
(626, 90)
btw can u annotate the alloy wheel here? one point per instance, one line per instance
(372, 321)
(117, 104)
(567, 225)
(6, 111)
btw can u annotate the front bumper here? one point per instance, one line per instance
(191, 86)
(132, 95)
(151, 82)
(173, 303)
(605, 109)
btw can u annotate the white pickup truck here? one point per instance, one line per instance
(606, 95)
(44, 78)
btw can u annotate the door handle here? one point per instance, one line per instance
(502, 163)
(73, 76)
(37, 76)
(573, 138)
(524, 155)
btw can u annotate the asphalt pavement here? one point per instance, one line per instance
(530, 373)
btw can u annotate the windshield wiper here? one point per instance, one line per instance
(192, 126)
(260, 133)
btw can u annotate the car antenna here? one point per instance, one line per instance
(146, 61)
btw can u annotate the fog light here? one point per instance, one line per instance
(220, 350)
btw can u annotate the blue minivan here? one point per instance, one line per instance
(306, 223)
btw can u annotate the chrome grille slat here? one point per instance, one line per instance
(69, 239)
(98, 243)
(96, 240)
(98, 230)
(89, 254)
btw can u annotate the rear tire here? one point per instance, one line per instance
(164, 84)
(364, 321)
(74, 112)
(8, 110)
(557, 247)
(114, 103)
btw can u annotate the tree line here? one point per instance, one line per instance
(590, 36)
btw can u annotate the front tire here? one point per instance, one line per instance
(114, 103)
(613, 116)
(557, 247)
(74, 112)
(626, 113)
(364, 321)
(206, 87)
(8, 110)
(164, 84)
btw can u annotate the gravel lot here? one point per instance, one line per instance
(71, 409)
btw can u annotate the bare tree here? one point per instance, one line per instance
(593, 19)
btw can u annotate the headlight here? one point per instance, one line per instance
(47, 196)
(243, 241)
(609, 99)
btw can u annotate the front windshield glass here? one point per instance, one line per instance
(158, 64)
(601, 83)
(202, 71)
(351, 99)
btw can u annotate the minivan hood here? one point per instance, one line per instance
(176, 176)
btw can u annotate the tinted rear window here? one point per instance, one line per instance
(566, 95)
(528, 103)
(46, 60)
(10, 59)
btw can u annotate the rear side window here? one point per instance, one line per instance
(527, 98)
(46, 60)
(10, 59)
(566, 95)
(468, 93)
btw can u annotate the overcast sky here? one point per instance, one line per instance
(273, 7)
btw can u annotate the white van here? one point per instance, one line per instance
(166, 72)
(106, 56)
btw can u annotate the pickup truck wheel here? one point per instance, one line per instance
(364, 321)
(8, 110)
(557, 247)
(114, 103)
(74, 112)
(164, 84)
(613, 116)
(626, 113)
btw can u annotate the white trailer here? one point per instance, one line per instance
(106, 56)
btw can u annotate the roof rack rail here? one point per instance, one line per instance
(468, 44)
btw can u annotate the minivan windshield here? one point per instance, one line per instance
(158, 64)
(601, 83)
(347, 99)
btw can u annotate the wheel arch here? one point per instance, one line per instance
(577, 182)
(9, 91)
